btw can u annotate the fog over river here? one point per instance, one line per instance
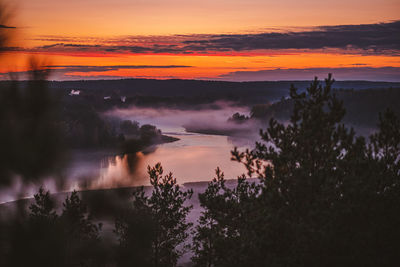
(194, 157)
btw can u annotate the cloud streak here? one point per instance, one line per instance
(6, 27)
(389, 74)
(375, 37)
(74, 71)
(86, 68)
(379, 38)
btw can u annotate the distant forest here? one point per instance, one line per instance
(81, 103)
(187, 94)
(362, 106)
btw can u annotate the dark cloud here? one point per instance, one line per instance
(81, 47)
(389, 74)
(6, 27)
(376, 37)
(135, 49)
(85, 68)
(359, 72)
(10, 49)
(366, 38)
(66, 71)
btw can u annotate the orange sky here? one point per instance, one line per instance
(149, 33)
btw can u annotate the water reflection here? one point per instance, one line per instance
(119, 171)
(193, 158)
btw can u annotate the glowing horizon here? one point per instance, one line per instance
(217, 40)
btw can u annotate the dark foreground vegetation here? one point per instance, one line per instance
(325, 197)
(147, 231)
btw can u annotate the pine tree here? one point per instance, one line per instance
(81, 234)
(224, 227)
(43, 209)
(327, 197)
(165, 212)
(34, 240)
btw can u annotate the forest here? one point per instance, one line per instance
(324, 196)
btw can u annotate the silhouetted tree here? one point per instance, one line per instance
(210, 232)
(385, 146)
(43, 209)
(30, 136)
(224, 230)
(129, 127)
(326, 198)
(224, 233)
(82, 242)
(135, 229)
(36, 240)
(46, 239)
(238, 118)
(149, 133)
(161, 216)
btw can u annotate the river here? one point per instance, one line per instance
(194, 157)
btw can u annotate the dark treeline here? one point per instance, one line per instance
(325, 197)
(362, 107)
(362, 113)
(78, 123)
(84, 126)
(39, 131)
(44, 238)
(35, 117)
(148, 230)
(184, 94)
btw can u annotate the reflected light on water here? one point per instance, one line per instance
(192, 158)
(119, 171)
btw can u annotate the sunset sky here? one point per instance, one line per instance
(236, 40)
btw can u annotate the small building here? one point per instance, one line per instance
(74, 92)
